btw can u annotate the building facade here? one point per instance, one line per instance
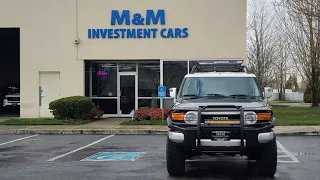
(117, 52)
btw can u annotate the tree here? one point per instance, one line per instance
(261, 44)
(282, 60)
(303, 86)
(301, 23)
(292, 81)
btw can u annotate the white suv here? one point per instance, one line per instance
(13, 99)
(221, 111)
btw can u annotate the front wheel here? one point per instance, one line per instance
(175, 159)
(267, 162)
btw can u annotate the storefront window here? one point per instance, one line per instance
(173, 73)
(191, 64)
(167, 103)
(155, 102)
(149, 79)
(104, 80)
(109, 106)
(87, 79)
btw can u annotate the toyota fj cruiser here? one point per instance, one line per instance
(221, 111)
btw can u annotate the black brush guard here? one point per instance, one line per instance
(219, 108)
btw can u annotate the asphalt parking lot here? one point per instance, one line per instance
(77, 157)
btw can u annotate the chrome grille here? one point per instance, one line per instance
(13, 98)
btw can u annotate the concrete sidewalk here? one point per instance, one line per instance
(112, 126)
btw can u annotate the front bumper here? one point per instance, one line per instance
(202, 137)
(253, 139)
(10, 103)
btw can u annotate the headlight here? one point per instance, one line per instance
(250, 117)
(191, 117)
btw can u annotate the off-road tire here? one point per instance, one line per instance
(175, 159)
(267, 162)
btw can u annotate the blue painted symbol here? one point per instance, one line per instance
(115, 156)
(161, 91)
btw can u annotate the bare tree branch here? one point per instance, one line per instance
(262, 39)
(301, 24)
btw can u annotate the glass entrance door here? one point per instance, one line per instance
(127, 93)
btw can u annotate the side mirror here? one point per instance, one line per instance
(173, 92)
(268, 92)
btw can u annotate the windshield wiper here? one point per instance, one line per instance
(192, 96)
(239, 95)
(215, 96)
(245, 96)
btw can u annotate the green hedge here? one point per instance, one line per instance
(74, 107)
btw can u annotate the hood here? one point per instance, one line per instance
(13, 95)
(247, 105)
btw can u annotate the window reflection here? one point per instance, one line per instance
(148, 79)
(149, 103)
(87, 79)
(173, 73)
(191, 64)
(105, 83)
(109, 106)
(167, 103)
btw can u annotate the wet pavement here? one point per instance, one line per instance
(77, 157)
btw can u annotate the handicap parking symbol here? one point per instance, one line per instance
(115, 156)
(161, 91)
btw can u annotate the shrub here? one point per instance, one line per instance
(155, 114)
(141, 114)
(147, 113)
(74, 107)
(165, 112)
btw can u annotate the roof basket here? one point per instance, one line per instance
(219, 66)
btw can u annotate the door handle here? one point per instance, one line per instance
(40, 98)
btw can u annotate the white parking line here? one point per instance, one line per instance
(18, 139)
(289, 154)
(83, 147)
(283, 156)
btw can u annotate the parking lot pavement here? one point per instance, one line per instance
(86, 157)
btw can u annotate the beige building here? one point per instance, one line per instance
(117, 52)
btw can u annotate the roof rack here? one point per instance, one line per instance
(219, 66)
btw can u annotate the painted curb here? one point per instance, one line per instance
(124, 132)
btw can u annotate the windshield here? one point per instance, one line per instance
(13, 90)
(220, 86)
